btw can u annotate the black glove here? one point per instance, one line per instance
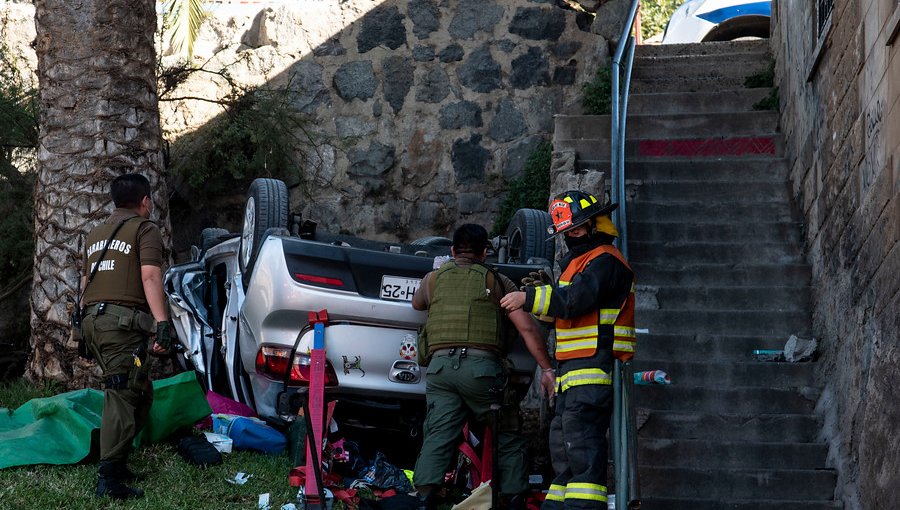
(164, 334)
(537, 278)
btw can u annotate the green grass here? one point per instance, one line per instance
(170, 481)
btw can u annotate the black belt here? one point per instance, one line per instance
(475, 352)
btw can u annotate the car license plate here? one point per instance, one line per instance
(397, 288)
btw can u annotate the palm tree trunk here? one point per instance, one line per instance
(98, 119)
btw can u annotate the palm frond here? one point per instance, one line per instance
(184, 18)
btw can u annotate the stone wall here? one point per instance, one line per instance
(840, 104)
(424, 109)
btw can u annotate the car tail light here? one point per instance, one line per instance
(272, 362)
(319, 280)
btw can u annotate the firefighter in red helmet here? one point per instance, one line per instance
(593, 308)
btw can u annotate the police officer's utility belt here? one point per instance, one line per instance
(467, 351)
(129, 318)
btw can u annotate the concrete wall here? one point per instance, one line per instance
(840, 104)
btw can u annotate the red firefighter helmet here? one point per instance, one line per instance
(572, 208)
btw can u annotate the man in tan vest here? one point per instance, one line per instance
(125, 310)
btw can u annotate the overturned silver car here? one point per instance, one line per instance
(241, 308)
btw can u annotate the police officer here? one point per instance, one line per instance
(468, 342)
(124, 310)
(594, 310)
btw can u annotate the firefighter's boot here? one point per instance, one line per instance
(110, 482)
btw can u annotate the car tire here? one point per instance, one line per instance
(528, 236)
(266, 208)
(432, 241)
(210, 237)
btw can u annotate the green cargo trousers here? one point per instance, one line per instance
(126, 405)
(459, 388)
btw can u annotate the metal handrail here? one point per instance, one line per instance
(624, 430)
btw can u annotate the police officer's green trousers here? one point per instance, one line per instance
(126, 405)
(457, 389)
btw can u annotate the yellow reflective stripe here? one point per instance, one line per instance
(623, 331)
(623, 346)
(563, 283)
(556, 493)
(541, 300)
(590, 491)
(572, 345)
(583, 377)
(608, 315)
(582, 332)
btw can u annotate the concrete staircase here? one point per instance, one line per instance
(715, 242)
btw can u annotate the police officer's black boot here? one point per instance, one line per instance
(110, 482)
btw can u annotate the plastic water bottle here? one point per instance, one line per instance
(652, 377)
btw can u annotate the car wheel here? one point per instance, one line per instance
(267, 207)
(528, 237)
(432, 241)
(210, 237)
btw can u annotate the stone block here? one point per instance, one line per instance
(471, 203)
(538, 23)
(517, 156)
(433, 86)
(352, 127)
(426, 17)
(508, 122)
(480, 72)
(531, 70)
(398, 79)
(460, 114)
(422, 159)
(469, 160)
(452, 53)
(423, 53)
(382, 26)
(473, 16)
(355, 80)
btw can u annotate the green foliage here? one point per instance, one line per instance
(531, 190)
(770, 102)
(655, 15)
(182, 20)
(18, 139)
(16, 393)
(597, 93)
(260, 134)
(765, 78)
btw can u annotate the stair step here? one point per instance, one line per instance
(789, 428)
(671, 297)
(747, 400)
(714, 253)
(669, 231)
(712, 83)
(684, 147)
(710, 212)
(725, 374)
(749, 273)
(662, 103)
(740, 65)
(733, 170)
(657, 503)
(780, 324)
(677, 191)
(713, 453)
(712, 347)
(597, 127)
(706, 48)
(753, 484)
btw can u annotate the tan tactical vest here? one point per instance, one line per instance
(118, 279)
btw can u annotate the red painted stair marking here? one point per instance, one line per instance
(707, 147)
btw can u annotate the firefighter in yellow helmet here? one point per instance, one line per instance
(593, 307)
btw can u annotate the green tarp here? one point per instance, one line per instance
(58, 429)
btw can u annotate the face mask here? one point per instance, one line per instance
(573, 242)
